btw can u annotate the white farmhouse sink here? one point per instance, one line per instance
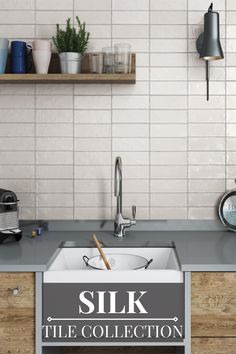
(69, 267)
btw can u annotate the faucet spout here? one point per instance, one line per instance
(120, 223)
(118, 184)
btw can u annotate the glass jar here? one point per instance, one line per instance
(122, 58)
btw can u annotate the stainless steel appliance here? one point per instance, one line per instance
(9, 221)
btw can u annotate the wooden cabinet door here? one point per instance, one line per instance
(17, 318)
(214, 305)
(214, 346)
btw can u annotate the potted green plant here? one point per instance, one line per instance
(71, 44)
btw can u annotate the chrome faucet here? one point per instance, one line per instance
(120, 223)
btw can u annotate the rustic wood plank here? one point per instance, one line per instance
(214, 304)
(214, 346)
(68, 78)
(17, 327)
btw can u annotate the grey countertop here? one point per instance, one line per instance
(197, 250)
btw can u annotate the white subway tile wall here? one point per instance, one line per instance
(58, 142)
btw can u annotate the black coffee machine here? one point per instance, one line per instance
(9, 221)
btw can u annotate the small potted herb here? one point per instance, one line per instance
(71, 44)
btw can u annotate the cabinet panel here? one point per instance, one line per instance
(214, 346)
(17, 316)
(214, 304)
(111, 350)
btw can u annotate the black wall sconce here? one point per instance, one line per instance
(208, 43)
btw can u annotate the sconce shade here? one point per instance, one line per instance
(211, 47)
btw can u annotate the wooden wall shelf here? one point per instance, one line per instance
(68, 78)
(54, 75)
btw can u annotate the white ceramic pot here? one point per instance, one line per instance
(41, 61)
(41, 44)
(70, 62)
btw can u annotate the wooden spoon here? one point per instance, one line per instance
(101, 252)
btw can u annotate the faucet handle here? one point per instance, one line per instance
(134, 211)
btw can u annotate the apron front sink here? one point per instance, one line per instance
(70, 267)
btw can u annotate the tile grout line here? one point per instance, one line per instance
(149, 112)
(225, 95)
(73, 152)
(187, 35)
(111, 131)
(73, 134)
(35, 127)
